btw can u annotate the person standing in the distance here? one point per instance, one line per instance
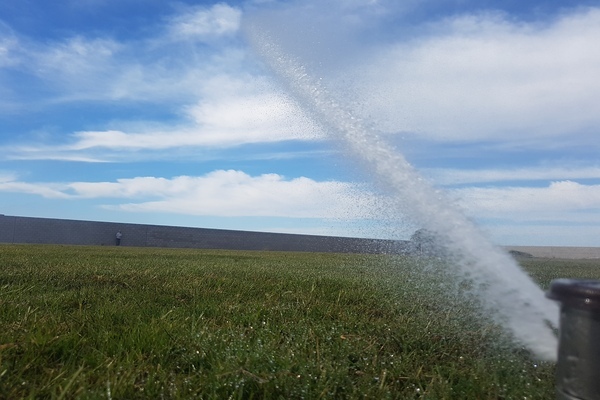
(118, 238)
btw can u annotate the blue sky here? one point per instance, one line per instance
(161, 112)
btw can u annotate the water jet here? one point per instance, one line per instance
(504, 291)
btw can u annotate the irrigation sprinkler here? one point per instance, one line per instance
(578, 365)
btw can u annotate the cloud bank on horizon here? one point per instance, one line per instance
(162, 113)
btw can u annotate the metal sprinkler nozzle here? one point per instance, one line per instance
(578, 365)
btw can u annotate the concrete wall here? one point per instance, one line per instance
(61, 231)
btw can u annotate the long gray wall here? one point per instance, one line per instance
(62, 231)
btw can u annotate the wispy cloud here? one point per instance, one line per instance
(235, 193)
(488, 77)
(202, 23)
(165, 66)
(8, 48)
(499, 80)
(6, 176)
(561, 200)
(451, 176)
(75, 58)
(217, 101)
(230, 120)
(219, 193)
(47, 190)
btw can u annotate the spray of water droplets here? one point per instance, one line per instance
(505, 292)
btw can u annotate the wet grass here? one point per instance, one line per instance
(127, 323)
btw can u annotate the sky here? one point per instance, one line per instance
(164, 112)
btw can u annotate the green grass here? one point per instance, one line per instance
(544, 270)
(127, 323)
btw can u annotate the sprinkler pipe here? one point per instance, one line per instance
(578, 363)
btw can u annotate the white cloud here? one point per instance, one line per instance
(480, 77)
(161, 67)
(225, 118)
(219, 103)
(202, 23)
(50, 191)
(450, 176)
(219, 193)
(7, 50)
(6, 176)
(76, 56)
(118, 73)
(561, 200)
(9, 46)
(251, 114)
(73, 69)
(232, 193)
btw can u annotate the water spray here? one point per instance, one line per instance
(578, 362)
(506, 293)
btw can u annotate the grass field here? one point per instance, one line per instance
(127, 323)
